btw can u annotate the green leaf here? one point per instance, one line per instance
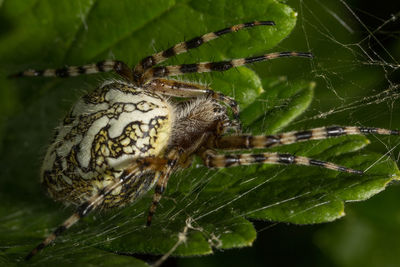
(202, 209)
(368, 229)
(281, 104)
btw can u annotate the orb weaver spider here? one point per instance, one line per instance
(129, 135)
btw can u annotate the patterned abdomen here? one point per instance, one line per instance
(103, 133)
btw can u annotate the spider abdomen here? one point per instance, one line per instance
(105, 132)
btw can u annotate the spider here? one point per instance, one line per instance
(129, 135)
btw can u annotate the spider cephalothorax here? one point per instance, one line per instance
(131, 134)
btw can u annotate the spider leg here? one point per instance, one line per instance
(162, 182)
(183, 47)
(213, 160)
(83, 210)
(103, 66)
(165, 71)
(137, 167)
(249, 141)
(187, 89)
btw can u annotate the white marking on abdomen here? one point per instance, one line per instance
(116, 96)
(118, 125)
(66, 147)
(87, 141)
(82, 108)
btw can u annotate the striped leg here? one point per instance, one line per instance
(83, 210)
(140, 165)
(212, 160)
(104, 66)
(162, 182)
(249, 141)
(165, 71)
(186, 89)
(183, 47)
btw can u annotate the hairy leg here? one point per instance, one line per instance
(162, 181)
(166, 71)
(140, 165)
(187, 89)
(261, 141)
(213, 160)
(183, 47)
(103, 66)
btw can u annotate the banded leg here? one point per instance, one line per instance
(183, 47)
(162, 182)
(83, 210)
(137, 167)
(165, 71)
(103, 66)
(249, 141)
(212, 160)
(186, 89)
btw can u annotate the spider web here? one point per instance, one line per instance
(356, 70)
